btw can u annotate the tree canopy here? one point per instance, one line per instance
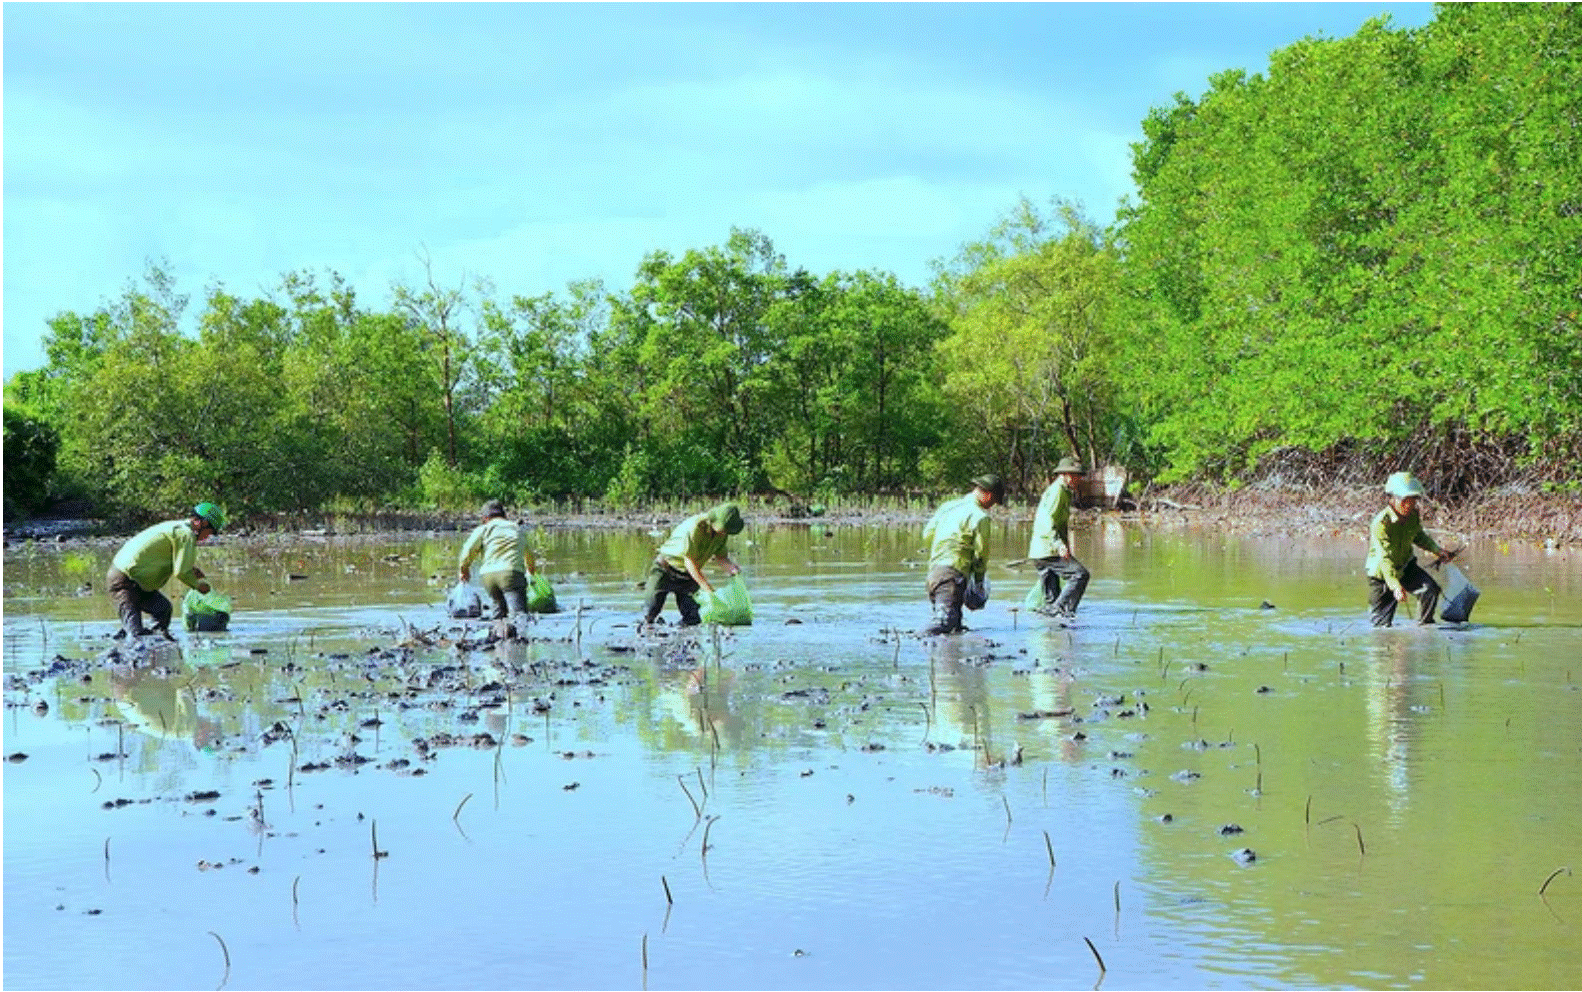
(1368, 258)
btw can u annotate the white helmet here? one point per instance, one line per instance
(1403, 484)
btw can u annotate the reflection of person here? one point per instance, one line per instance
(959, 530)
(148, 560)
(158, 702)
(678, 567)
(504, 562)
(1063, 577)
(1392, 566)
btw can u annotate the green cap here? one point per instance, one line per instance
(1069, 464)
(993, 484)
(213, 514)
(727, 517)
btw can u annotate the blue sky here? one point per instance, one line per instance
(536, 144)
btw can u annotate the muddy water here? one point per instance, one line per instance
(820, 800)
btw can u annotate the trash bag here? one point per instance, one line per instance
(540, 595)
(464, 600)
(206, 611)
(977, 595)
(1460, 596)
(729, 606)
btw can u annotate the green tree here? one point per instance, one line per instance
(1028, 364)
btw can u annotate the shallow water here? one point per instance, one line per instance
(880, 810)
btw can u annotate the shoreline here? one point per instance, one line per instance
(1548, 520)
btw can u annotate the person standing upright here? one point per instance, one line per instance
(1064, 578)
(1392, 566)
(959, 532)
(149, 559)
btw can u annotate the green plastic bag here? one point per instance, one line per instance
(206, 611)
(729, 606)
(1035, 596)
(540, 595)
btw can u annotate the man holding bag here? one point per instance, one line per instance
(147, 561)
(1392, 564)
(504, 561)
(678, 566)
(1064, 579)
(959, 531)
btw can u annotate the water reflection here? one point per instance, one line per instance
(1396, 786)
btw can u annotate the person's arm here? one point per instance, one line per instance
(724, 561)
(980, 548)
(697, 574)
(469, 552)
(185, 562)
(1062, 523)
(1379, 539)
(1422, 540)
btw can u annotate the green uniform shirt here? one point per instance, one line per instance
(1390, 541)
(1052, 523)
(163, 550)
(500, 545)
(693, 539)
(960, 532)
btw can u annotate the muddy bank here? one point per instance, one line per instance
(1547, 519)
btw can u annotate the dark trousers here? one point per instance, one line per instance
(132, 601)
(1065, 580)
(946, 590)
(1381, 601)
(663, 580)
(508, 590)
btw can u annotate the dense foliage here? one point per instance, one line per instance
(1369, 258)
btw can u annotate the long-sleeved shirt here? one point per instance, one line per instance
(158, 552)
(1052, 523)
(691, 539)
(500, 545)
(959, 530)
(1390, 542)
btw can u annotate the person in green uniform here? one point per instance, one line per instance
(678, 567)
(1064, 578)
(1392, 566)
(499, 549)
(959, 532)
(148, 560)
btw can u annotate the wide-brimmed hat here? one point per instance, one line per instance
(493, 508)
(1403, 484)
(1071, 465)
(727, 517)
(992, 484)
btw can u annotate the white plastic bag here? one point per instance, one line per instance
(1460, 596)
(465, 600)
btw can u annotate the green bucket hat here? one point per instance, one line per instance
(1069, 464)
(993, 484)
(213, 514)
(727, 517)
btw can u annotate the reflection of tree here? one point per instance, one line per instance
(964, 685)
(1393, 664)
